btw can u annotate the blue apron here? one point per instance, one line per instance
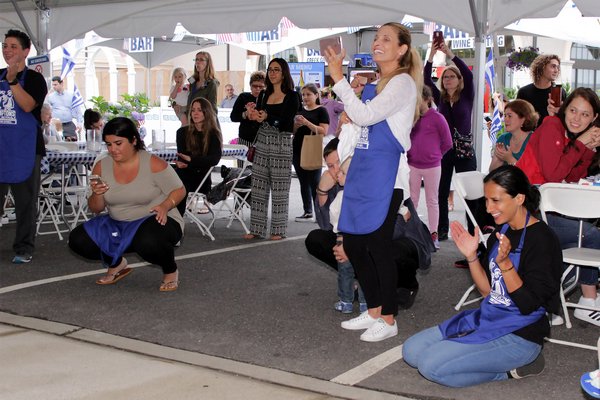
(497, 315)
(18, 134)
(112, 236)
(371, 176)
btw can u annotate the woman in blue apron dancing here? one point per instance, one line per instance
(378, 174)
(519, 279)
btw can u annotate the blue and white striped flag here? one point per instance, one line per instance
(67, 65)
(77, 100)
(490, 75)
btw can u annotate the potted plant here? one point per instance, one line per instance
(137, 103)
(519, 60)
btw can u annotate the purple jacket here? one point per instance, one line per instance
(334, 109)
(430, 140)
(458, 115)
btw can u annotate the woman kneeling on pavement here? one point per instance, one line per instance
(140, 192)
(519, 278)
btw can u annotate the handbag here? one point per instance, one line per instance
(250, 153)
(311, 156)
(463, 145)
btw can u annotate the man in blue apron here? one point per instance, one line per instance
(22, 93)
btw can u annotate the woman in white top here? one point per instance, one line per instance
(378, 174)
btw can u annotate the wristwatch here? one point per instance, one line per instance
(13, 82)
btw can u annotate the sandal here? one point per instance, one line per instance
(276, 237)
(169, 286)
(114, 277)
(250, 236)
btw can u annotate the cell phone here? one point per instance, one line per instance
(556, 95)
(438, 38)
(191, 80)
(96, 179)
(487, 119)
(370, 76)
(334, 42)
(260, 100)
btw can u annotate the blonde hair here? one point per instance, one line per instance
(178, 70)
(410, 63)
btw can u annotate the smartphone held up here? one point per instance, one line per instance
(334, 42)
(438, 38)
(556, 95)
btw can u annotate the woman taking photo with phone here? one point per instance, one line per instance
(454, 100)
(272, 166)
(378, 175)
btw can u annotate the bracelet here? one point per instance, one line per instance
(507, 269)
(473, 260)
(172, 201)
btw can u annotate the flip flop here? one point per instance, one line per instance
(276, 237)
(169, 286)
(116, 277)
(251, 236)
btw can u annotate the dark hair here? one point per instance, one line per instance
(287, 85)
(90, 117)
(56, 79)
(125, 128)
(314, 89)
(514, 181)
(524, 109)
(331, 147)
(586, 94)
(20, 36)
(198, 144)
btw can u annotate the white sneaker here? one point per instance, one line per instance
(556, 320)
(363, 321)
(379, 331)
(589, 316)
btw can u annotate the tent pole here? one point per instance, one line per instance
(34, 39)
(480, 18)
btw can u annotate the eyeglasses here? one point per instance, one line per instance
(200, 59)
(450, 76)
(277, 70)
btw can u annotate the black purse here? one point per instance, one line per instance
(463, 145)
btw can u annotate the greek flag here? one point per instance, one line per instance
(490, 75)
(67, 65)
(77, 100)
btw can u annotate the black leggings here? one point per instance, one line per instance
(373, 260)
(153, 242)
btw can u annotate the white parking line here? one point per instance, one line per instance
(370, 367)
(40, 282)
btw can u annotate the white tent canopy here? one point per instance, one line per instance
(69, 19)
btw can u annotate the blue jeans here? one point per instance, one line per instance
(456, 364)
(346, 283)
(567, 230)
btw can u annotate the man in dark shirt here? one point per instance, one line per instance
(22, 93)
(544, 72)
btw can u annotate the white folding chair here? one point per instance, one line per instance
(580, 202)
(190, 207)
(469, 186)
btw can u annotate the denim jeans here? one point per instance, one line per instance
(346, 283)
(457, 364)
(567, 230)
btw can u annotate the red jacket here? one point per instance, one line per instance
(545, 159)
